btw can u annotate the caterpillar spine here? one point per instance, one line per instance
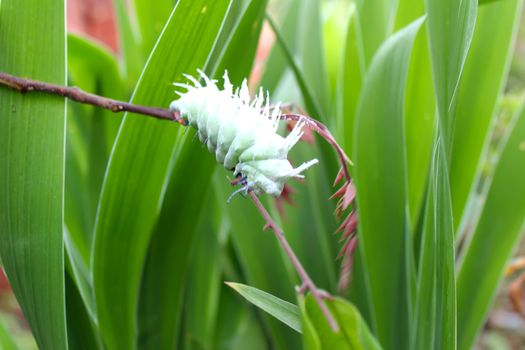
(242, 132)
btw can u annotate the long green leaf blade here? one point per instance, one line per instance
(434, 325)
(376, 22)
(501, 224)
(165, 274)
(90, 135)
(32, 165)
(151, 19)
(284, 311)
(381, 176)
(450, 29)
(482, 82)
(134, 182)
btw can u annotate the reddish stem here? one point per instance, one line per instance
(27, 85)
(306, 280)
(323, 131)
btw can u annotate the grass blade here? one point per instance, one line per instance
(353, 73)
(151, 18)
(382, 200)
(450, 28)
(310, 50)
(376, 22)
(491, 54)
(90, 135)
(434, 323)
(240, 49)
(204, 282)
(32, 173)
(501, 224)
(165, 274)
(135, 179)
(284, 311)
(133, 58)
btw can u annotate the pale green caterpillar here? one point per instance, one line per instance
(241, 132)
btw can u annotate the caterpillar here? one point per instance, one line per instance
(242, 132)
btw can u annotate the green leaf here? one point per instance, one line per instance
(434, 323)
(338, 14)
(310, 50)
(165, 274)
(354, 333)
(420, 107)
(380, 175)
(276, 64)
(500, 227)
(450, 29)
(284, 311)
(376, 20)
(408, 11)
(32, 127)
(239, 52)
(151, 18)
(136, 176)
(483, 80)
(483, 2)
(353, 74)
(90, 135)
(133, 58)
(204, 282)
(311, 104)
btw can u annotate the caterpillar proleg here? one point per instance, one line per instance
(241, 132)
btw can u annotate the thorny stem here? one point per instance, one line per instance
(307, 281)
(27, 85)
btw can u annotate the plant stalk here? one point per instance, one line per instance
(306, 280)
(27, 85)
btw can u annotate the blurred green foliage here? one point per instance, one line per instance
(115, 232)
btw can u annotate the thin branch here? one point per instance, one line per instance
(26, 85)
(306, 280)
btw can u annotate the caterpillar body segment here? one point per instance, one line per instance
(242, 133)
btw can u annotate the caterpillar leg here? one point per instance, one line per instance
(247, 187)
(239, 180)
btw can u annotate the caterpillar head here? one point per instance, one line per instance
(270, 175)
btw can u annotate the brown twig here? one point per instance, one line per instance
(306, 280)
(26, 85)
